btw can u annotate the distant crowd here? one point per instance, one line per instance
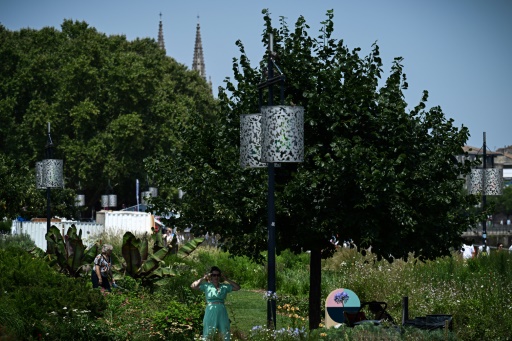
(473, 251)
(169, 233)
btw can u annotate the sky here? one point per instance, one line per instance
(457, 50)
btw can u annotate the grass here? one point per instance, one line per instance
(246, 309)
(476, 292)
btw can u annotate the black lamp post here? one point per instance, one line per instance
(274, 135)
(485, 181)
(49, 174)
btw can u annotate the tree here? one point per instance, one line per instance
(111, 103)
(373, 172)
(503, 203)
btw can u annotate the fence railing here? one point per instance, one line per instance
(37, 230)
(92, 231)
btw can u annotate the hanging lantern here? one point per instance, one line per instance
(250, 141)
(39, 176)
(282, 138)
(145, 196)
(112, 200)
(104, 200)
(80, 200)
(487, 181)
(49, 174)
(153, 191)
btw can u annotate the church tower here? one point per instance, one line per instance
(161, 43)
(198, 61)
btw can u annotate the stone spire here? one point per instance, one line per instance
(161, 43)
(198, 61)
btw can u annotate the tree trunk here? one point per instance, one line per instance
(315, 288)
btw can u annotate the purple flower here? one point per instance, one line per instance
(341, 297)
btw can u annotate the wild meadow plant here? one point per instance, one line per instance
(476, 292)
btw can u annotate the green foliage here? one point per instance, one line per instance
(33, 294)
(151, 267)
(474, 291)
(35, 299)
(373, 171)
(22, 241)
(68, 252)
(140, 263)
(18, 195)
(112, 103)
(5, 227)
(503, 203)
(180, 321)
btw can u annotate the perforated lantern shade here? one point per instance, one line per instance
(250, 141)
(104, 200)
(39, 176)
(50, 174)
(80, 200)
(145, 196)
(153, 191)
(282, 138)
(487, 181)
(109, 200)
(112, 200)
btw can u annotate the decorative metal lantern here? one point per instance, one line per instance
(487, 181)
(80, 200)
(49, 174)
(153, 191)
(112, 200)
(39, 176)
(282, 138)
(250, 141)
(104, 200)
(145, 196)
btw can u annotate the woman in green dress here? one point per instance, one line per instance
(215, 316)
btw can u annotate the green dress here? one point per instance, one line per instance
(216, 315)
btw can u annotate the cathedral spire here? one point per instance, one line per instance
(198, 61)
(161, 43)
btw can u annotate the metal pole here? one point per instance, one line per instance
(49, 155)
(484, 199)
(271, 305)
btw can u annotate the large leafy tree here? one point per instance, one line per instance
(503, 203)
(111, 103)
(374, 171)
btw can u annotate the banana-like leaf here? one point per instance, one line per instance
(155, 260)
(131, 254)
(69, 252)
(164, 272)
(54, 238)
(158, 241)
(189, 247)
(75, 250)
(144, 248)
(151, 267)
(91, 253)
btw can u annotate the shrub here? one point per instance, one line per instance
(5, 226)
(21, 241)
(32, 293)
(180, 321)
(240, 269)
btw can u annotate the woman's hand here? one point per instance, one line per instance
(235, 285)
(195, 285)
